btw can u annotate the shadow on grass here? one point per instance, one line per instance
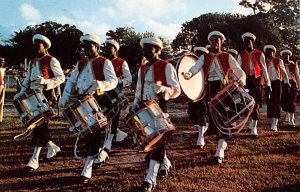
(286, 188)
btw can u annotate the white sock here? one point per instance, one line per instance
(34, 160)
(152, 172)
(222, 145)
(108, 141)
(87, 169)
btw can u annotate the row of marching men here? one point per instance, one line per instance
(157, 80)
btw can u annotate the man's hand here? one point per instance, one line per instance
(187, 75)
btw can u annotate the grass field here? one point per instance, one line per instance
(270, 163)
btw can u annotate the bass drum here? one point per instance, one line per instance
(194, 88)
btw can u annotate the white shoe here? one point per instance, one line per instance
(121, 135)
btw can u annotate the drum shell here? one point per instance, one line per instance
(33, 109)
(149, 125)
(85, 116)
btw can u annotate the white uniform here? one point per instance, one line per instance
(149, 93)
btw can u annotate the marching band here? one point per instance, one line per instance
(98, 83)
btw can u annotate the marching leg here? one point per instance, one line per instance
(219, 155)
(52, 150)
(86, 173)
(287, 117)
(274, 124)
(33, 163)
(200, 140)
(121, 135)
(150, 180)
(165, 167)
(103, 154)
(292, 120)
(254, 133)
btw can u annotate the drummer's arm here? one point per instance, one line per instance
(198, 66)
(283, 72)
(26, 81)
(172, 80)
(111, 80)
(138, 96)
(262, 61)
(59, 76)
(127, 78)
(71, 83)
(237, 70)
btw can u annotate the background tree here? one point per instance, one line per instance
(285, 16)
(64, 39)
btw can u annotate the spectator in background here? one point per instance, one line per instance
(2, 86)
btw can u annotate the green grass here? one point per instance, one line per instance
(271, 163)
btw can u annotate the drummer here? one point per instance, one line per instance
(253, 63)
(277, 73)
(215, 66)
(290, 97)
(44, 74)
(195, 109)
(124, 80)
(163, 87)
(92, 75)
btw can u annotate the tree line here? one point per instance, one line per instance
(273, 22)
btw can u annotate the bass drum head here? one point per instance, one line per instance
(193, 88)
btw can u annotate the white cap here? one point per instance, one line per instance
(217, 33)
(203, 49)
(113, 42)
(92, 38)
(42, 38)
(233, 51)
(270, 47)
(152, 40)
(248, 34)
(286, 51)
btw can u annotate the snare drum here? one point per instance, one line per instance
(33, 109)
(194, 88)
(85, 116)
(150, 125)
(231, 108)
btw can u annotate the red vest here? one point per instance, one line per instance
(254, 56)
(44, 66)
(275, 61)
(117, 63)
(97, 67)
(223, 59)
(159, 74)
(292, 69)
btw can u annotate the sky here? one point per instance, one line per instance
(163, 17)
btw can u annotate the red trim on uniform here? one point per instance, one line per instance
(118, 63)
(223, 59)
(45, 68)
(275, 61)
(253, 56)
(97, 67)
